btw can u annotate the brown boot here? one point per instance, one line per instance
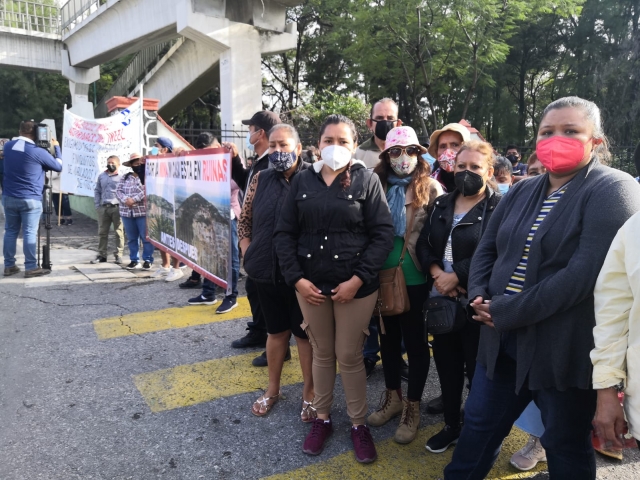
(409, 422)
(390, 406)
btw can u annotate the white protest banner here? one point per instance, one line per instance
(86, 145)
(189, 209)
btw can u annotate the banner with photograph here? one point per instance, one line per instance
(189, 209)
(86, 145)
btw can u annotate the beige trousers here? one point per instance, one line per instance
(338, 331)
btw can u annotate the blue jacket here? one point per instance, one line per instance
(24, 167)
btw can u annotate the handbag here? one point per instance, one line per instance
(447, 314)
(393, 298)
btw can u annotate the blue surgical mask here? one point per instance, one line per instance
(249, 144)
(154, 151)
(503, 188)
(429, 159)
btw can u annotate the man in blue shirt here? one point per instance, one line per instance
(25, 165)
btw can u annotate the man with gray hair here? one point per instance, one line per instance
(383, 117)
(107, 207)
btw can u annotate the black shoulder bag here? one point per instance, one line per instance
(447, 314)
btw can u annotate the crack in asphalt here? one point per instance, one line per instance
(63, 304)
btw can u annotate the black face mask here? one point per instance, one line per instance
(382, 128)
(468, 183)
(111, 167)
(512, 158)
(137, 168)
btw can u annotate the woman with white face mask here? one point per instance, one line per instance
(334, 234)
(444, 145)
(410, 193)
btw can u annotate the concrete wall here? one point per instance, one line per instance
(28, 52)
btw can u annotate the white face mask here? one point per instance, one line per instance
(336, 156)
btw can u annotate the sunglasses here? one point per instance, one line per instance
(412, 151)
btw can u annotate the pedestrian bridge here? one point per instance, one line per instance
(182, 47)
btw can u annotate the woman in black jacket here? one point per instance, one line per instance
(531, 285)
(445, 247)
(260, 213)
(334, 234)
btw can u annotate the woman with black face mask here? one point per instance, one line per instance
(445, 247)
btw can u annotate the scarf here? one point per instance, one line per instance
(396, 196)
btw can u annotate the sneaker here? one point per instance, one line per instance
(530, 455)
(202, 300)
(369, 366)
(228, 304)
(63, 221)
(133, 266)
(174, 274)
(69, 221)
(320, 431)
(261, 361)
(36, 272)
(404, 371)
(99, 259)
(435, 406)
(251, 339)
(8, 271)
(118, 260)
(146, 265)
(441, 440)
(363, 445)
(160, 272)
(190, 283)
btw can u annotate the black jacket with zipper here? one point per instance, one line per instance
(464, 238)
(329, 234)
(260, 260)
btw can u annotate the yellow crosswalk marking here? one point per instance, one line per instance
(407, 461)
(188, 385)
(170, 318)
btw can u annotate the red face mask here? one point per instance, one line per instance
(560, 154)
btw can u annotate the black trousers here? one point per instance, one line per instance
(451, 352)
(408, 326)
(258, 322)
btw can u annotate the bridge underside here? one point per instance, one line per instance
(29, 52)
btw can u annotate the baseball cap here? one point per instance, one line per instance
(165, 143)
(263, 120)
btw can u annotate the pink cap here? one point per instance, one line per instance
(402, 137)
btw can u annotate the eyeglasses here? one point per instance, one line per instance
(412, 151)
(384, 119)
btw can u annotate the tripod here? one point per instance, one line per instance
(47, 209)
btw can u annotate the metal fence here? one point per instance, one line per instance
(31, 16)
(75, 11)
(141, 64)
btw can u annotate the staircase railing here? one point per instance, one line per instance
(75, 11)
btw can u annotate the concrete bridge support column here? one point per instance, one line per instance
(79, 81)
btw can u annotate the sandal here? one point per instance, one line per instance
(308, 413)
(262, 404)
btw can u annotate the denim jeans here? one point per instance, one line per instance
(208, 287)
(26, 213)
(136, 228)
(493, 407)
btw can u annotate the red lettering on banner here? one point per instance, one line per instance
(115, 136)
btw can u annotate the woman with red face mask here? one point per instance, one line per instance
(531, 287)
(443, 146)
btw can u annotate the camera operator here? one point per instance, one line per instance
(25, 165)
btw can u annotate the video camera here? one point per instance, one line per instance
(43, 135)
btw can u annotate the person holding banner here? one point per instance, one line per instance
(334, 234)
(260, 213)
(130, 193)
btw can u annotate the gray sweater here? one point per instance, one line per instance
(553, 317)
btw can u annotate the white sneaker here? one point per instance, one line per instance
(174, 274)
(530, 455)
(160, 272)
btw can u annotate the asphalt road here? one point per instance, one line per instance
(92, 386)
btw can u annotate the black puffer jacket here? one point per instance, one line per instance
(260, 260)
(464, 239)
(328, 234)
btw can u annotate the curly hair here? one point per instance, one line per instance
(419, 183)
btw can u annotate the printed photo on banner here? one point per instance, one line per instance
(87, 143)
(189, 209)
